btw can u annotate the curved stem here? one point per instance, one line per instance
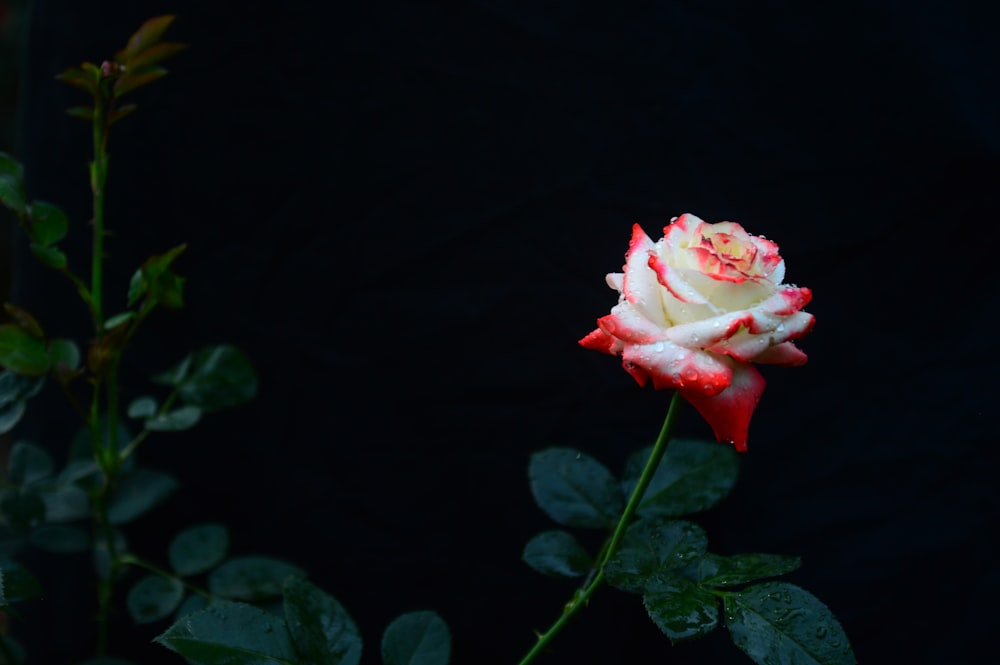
(582, 596)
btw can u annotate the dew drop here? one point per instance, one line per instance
(658, 347)
(781, 327)
(821, 632)
(690, 374)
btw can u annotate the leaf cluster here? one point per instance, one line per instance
(687, 590)
(135, 65)
(258, 609)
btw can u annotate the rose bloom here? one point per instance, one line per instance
(697, 307)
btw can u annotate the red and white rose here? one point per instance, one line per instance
(697, 307)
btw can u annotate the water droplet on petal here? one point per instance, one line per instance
(658, 347)
(690, 374)
(781, 327)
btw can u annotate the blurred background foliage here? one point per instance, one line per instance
(13, 28)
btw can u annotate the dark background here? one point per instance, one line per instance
(404, 215)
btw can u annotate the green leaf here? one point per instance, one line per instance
(84, 78)
(198, 549)
(653, 546)
(220, 377)
(19, 387)
(119, 319)
(82, 112)
(66, 503)
(723, 571)
(51, 257)
(18, 583)
(12, 184)
(680, 608)
(129, 81)
(777, 623)
(15, 390)
(155, 280)
(574, 489)
(21, 352)
(139, 491)
(28, 464)
(154, 598)
(417, 638)
(176, 375)
(179, 419)
(3, 597)
(23, 508)
(252, 578)
(10, 166)
(557, 553)
(64, 352)
(693, 476)
(155, 54)
(146, 36)
(141, 407)
(227, 633)
(49, 223)
(123, 111)
(323, 631)
(11, 414)
(24, 318)
(63, 538)
(192, 604)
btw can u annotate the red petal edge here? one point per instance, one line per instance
(729, 412)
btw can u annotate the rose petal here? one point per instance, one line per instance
(785, 354)
(628, 324)
(598, 340)
(729, 412)
(671, 366)
(672, 281)
(639, 284)
(702, 334)
(763, 332)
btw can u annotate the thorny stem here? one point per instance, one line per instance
(596, 577)
(106, 452)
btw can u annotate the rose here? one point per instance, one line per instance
(696, 309)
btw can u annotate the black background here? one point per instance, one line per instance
(404, 213)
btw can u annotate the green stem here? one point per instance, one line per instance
(582, 596)
(106, 452)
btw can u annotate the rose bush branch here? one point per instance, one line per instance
(596, 576)
(215, 599)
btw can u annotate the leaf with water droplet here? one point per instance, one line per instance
(651, 547)
(230, 633)
(776, 623)
(723, 571)
(680, 608)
